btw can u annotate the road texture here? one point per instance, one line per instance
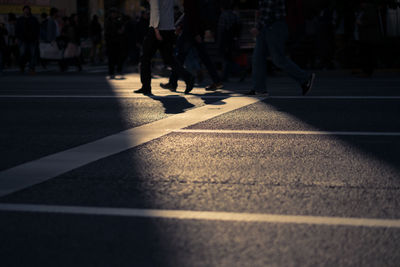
(206, 179)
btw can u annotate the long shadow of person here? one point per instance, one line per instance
(174, 104)
(213, 98)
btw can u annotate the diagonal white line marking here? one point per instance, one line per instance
(287, 132)
(43, 169)
(203, 215)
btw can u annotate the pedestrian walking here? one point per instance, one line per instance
(161, 36)
(116, 42)
(228, 38)
(272, 34)
(369, 36)
(95, 35)
(192, 36)
(12, 51)
(72, 51)
(27, 33)
(3, 35)
(53, 29)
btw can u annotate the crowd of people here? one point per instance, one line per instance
(319, 38)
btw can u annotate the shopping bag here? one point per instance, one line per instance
(50, 51)
(72, 51)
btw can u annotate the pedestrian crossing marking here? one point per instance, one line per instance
(272, 132)
(43, 169)
(203, 215)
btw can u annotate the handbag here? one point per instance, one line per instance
(50, 51)
(72, 51)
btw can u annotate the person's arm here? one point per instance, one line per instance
(155, 18)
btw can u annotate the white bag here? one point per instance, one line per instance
(50, 51)
(72, 51)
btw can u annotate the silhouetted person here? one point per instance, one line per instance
(369, 35)
(115, 42)
(12, 50)
(53, 28)
(161, 36)
(192, 36)
(3, 34)
(27, 33)
(325, 38)
(95, 35)
(272, 34)
(228, 37)
(72, 52)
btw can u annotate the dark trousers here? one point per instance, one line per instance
(27, 53)
(116, 57)
(166, 47)
(368, 55)
(185, 42)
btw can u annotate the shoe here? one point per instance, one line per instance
(169, 86)
(143, 91)
(189, 85)
(307, 86)
(214, 86)
(253, 92)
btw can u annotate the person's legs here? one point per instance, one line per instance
(22, 55)
(32, 47)
(111, 52)
(259, 64)
(276, 36)
(150, 46)
(167, 50)
(182, 48)
(205, 59)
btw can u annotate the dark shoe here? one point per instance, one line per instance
(307, 86)
(143, 91)
(261, 94)
(169, 86)
(214, 86)
(189, 85)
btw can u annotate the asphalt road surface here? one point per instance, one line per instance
(94, 175)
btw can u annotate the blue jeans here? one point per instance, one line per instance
(26, 48)
(271, 40)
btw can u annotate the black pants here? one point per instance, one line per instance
(166, 47)
(185, 42)
(368, 55)
(116, 57)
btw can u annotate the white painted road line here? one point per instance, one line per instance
(203, 215)
(48, 167)
(205, 96)
(267, 132)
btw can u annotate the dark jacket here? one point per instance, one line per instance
(27, 29)
(115, 30)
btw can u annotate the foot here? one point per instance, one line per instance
(169, 86)
(307, 86)
(214, 86)
(254, 93)
(189, 85)
(143, 91)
